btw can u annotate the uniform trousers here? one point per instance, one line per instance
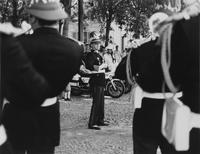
(97, 109)
(97, 84)
(32, 131)
(6, 148)
(144, 145)
(147, 136)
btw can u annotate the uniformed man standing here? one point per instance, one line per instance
(33, 129)
(94, 62)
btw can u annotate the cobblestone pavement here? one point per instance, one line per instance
(113, 139)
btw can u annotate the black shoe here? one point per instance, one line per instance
(103, 124)
(94, 127)
(68, 99)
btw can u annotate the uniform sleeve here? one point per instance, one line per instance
(21, 79)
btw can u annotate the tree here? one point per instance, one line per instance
(13, 11)
(67, 7)
(131, 14)
(134, 19)
(105, 11)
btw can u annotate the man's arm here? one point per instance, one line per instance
(89, 61)
(19, 75)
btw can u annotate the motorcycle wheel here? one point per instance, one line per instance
(115, 93)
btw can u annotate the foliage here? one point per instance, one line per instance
(104, 12)
(135, 17)
(131, 14)
(66, 4)
(13, 11)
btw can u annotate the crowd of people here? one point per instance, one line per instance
(32, 77)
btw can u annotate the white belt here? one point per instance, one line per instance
(3, 136)
(139, 94)
(49, 102)
(195, 120)
(185, 119)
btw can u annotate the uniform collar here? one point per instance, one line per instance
(46, 30)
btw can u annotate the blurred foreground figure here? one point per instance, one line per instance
(32, 128)
(184, 70)
(17, 73)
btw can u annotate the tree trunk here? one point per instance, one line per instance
(80, 20)
(67, 4)
(4, 11)
(15, 15)
(108, 24)
(66, 27)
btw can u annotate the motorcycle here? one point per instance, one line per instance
(114, 87)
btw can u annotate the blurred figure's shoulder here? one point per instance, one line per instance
(151, 46)
(7, 40)
(73, 45)
(74, 41)
(24, 36)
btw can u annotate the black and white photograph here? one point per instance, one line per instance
(100, 76)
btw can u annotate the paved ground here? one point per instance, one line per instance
(114, 139)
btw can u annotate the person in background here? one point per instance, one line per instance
(33, 129)
(94, 62)
(117, 54)
(102, 50)
(108, 58)
(67, 93)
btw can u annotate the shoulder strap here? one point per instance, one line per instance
(165, 38)
(1, 97)
(130, 77)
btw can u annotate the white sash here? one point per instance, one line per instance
(3, 136)
(49, 102)
(139, 94)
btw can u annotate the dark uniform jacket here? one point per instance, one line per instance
(18, 77)
(93, 58)
(57, 59)
(184, 70)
